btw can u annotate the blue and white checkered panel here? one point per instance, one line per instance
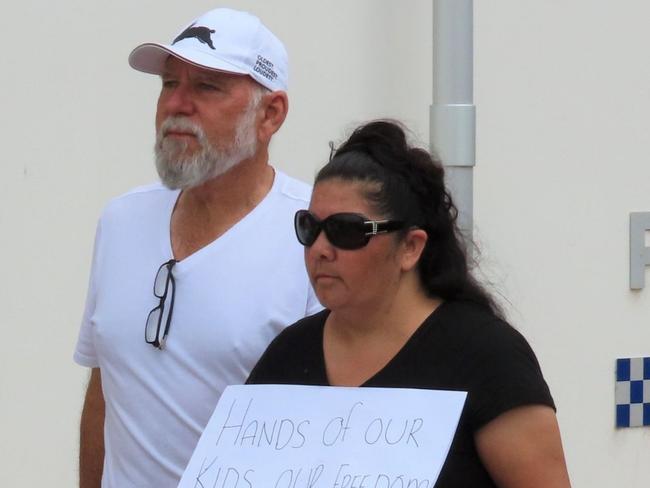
(632, 392)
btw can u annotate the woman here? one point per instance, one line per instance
(402, 310)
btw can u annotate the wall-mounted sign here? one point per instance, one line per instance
(632, 392)
(639, 251)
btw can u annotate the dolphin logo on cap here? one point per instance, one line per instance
(203, 34)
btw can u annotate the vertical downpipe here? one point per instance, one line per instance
(453, 114)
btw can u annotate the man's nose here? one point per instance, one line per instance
(178, 101)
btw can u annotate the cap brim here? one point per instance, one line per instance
(151, 58)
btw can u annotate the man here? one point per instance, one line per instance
(191, 280)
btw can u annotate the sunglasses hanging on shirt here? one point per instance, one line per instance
(159, 319)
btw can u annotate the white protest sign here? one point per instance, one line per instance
(272, 436)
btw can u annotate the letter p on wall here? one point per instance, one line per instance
(639, 252)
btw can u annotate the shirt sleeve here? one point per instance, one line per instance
(504, 374)
(85, 353)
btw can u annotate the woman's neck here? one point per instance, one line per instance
(359, 343)
(396, 315)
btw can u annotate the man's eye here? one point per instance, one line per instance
(208, 87)
(169, 83)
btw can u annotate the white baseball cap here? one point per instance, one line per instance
(224, 40)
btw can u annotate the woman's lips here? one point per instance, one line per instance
(323, 276)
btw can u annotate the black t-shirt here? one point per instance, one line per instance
(460, 346)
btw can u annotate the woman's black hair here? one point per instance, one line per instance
(407, 183)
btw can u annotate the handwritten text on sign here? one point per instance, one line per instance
(271, 436)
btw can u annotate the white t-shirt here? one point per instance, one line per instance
(232, 298)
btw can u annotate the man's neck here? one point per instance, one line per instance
(205, 212)
(243, 186)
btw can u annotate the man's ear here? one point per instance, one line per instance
(412, 248)
(274, 106)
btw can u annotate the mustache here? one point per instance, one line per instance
(182, 124)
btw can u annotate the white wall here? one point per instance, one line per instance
(563, 99)
(562, 96)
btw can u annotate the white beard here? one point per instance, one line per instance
(182, 172)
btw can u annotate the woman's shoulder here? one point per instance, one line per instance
(305, 328)
(493, 359)
(305, 333)
(467, 320)
(297, 348)
(481, 343)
